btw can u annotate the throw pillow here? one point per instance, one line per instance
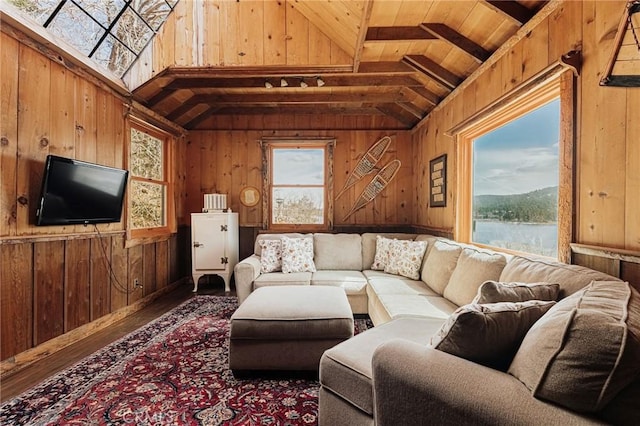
(405, 258)
(297, 255)
(494, 292)
(585, 349)
(271, 256)
(489, 334)
(440, 264)
(383, 250)
(473, 268)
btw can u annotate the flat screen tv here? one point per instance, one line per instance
(78, 192)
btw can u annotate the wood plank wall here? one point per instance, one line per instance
(608, 130)
(197, 34)
(229, 160)
(54, 279)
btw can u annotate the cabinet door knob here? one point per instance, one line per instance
(197, 244)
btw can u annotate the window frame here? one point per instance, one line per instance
(268, 145)
(143, 235)
(557, 83)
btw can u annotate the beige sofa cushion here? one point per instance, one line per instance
(337, 251)
(570, 277)
(488, 334)
(439, 265)
(585, 349)
(494, 292)
(353, 282)
(383, 253)
(257, 249)
(297, 255)
(271, 256)
(473, 268)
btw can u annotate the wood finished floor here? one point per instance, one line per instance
(18, 382)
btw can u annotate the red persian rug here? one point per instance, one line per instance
(172, 371)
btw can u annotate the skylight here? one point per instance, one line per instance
(111, 32)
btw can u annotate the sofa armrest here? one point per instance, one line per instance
(414, 384)
(245, 273)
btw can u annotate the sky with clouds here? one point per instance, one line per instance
(520, 156)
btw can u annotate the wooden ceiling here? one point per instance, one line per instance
(406, 57)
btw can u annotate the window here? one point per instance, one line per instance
(297, 184)
(150, 190)
(510, 182)
(112, 33)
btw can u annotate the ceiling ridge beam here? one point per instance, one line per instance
(440, 75)
(511, 9)
(399, 33)
(453, 37)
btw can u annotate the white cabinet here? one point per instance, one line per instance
(214, 245)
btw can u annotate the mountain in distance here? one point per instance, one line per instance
(539, 206)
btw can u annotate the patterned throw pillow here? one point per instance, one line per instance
(271, 256)
(297, 255)
(494, 292)
(383, 250)
(489, 334)
(405, 258)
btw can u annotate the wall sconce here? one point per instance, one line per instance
(268, 85)
(283, 82)
(320, 82)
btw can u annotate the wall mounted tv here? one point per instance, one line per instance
(78, 192)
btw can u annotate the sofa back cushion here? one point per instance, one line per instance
(369, 245)
(342, 252)
(570, 277)
(585, 350)
(474, 267)
(440, 263)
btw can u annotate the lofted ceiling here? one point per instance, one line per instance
(406, 57)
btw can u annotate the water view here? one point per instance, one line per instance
(537, 238)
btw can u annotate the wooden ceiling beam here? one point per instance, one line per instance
(431, 97)
(400, 114)
(193, 123)
(283, 98)
(451, 36)
(512, 10)
(300, 109)
(184, 108)
(443, 77)
(414, 110)
(387, 67)
(401, 33)
(362, 33)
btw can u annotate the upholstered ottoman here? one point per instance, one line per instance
(288, 327)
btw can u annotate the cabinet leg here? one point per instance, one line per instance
(227, 287)
(196, 278)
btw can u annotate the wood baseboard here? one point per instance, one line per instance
(19, 361)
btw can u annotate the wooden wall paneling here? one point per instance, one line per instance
(163, 45)
(33, 135)
(194, 155)
(16, 298)
(209, 168)
(320, 47)
(512, 68)
(565, 29)
(343, 162)
(535, 51)
(238, 173)
(229, 34)
(136, 272)
(400, 205)
(250, 37)
(210, 34)
(490, 85)
(274, 38)
(603, 122)
(148, 279)
(631, 272)
(183, 34)
(224, 150)
(632, 184)
(48, 294)
(77, 283)
(174, 256)
(105, 141)
(297, 40)
(162, 264)
(120, 285)
(602, 264)
(253, 215)
(100, 277)
(9, 71)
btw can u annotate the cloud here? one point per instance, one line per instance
(298, 166)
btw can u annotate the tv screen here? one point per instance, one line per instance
(75, 192)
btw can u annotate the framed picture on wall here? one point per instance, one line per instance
(438, 181)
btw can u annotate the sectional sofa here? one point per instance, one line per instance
(577, 360)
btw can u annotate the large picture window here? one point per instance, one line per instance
(150, 189)
(298, 184)
(512, 180)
